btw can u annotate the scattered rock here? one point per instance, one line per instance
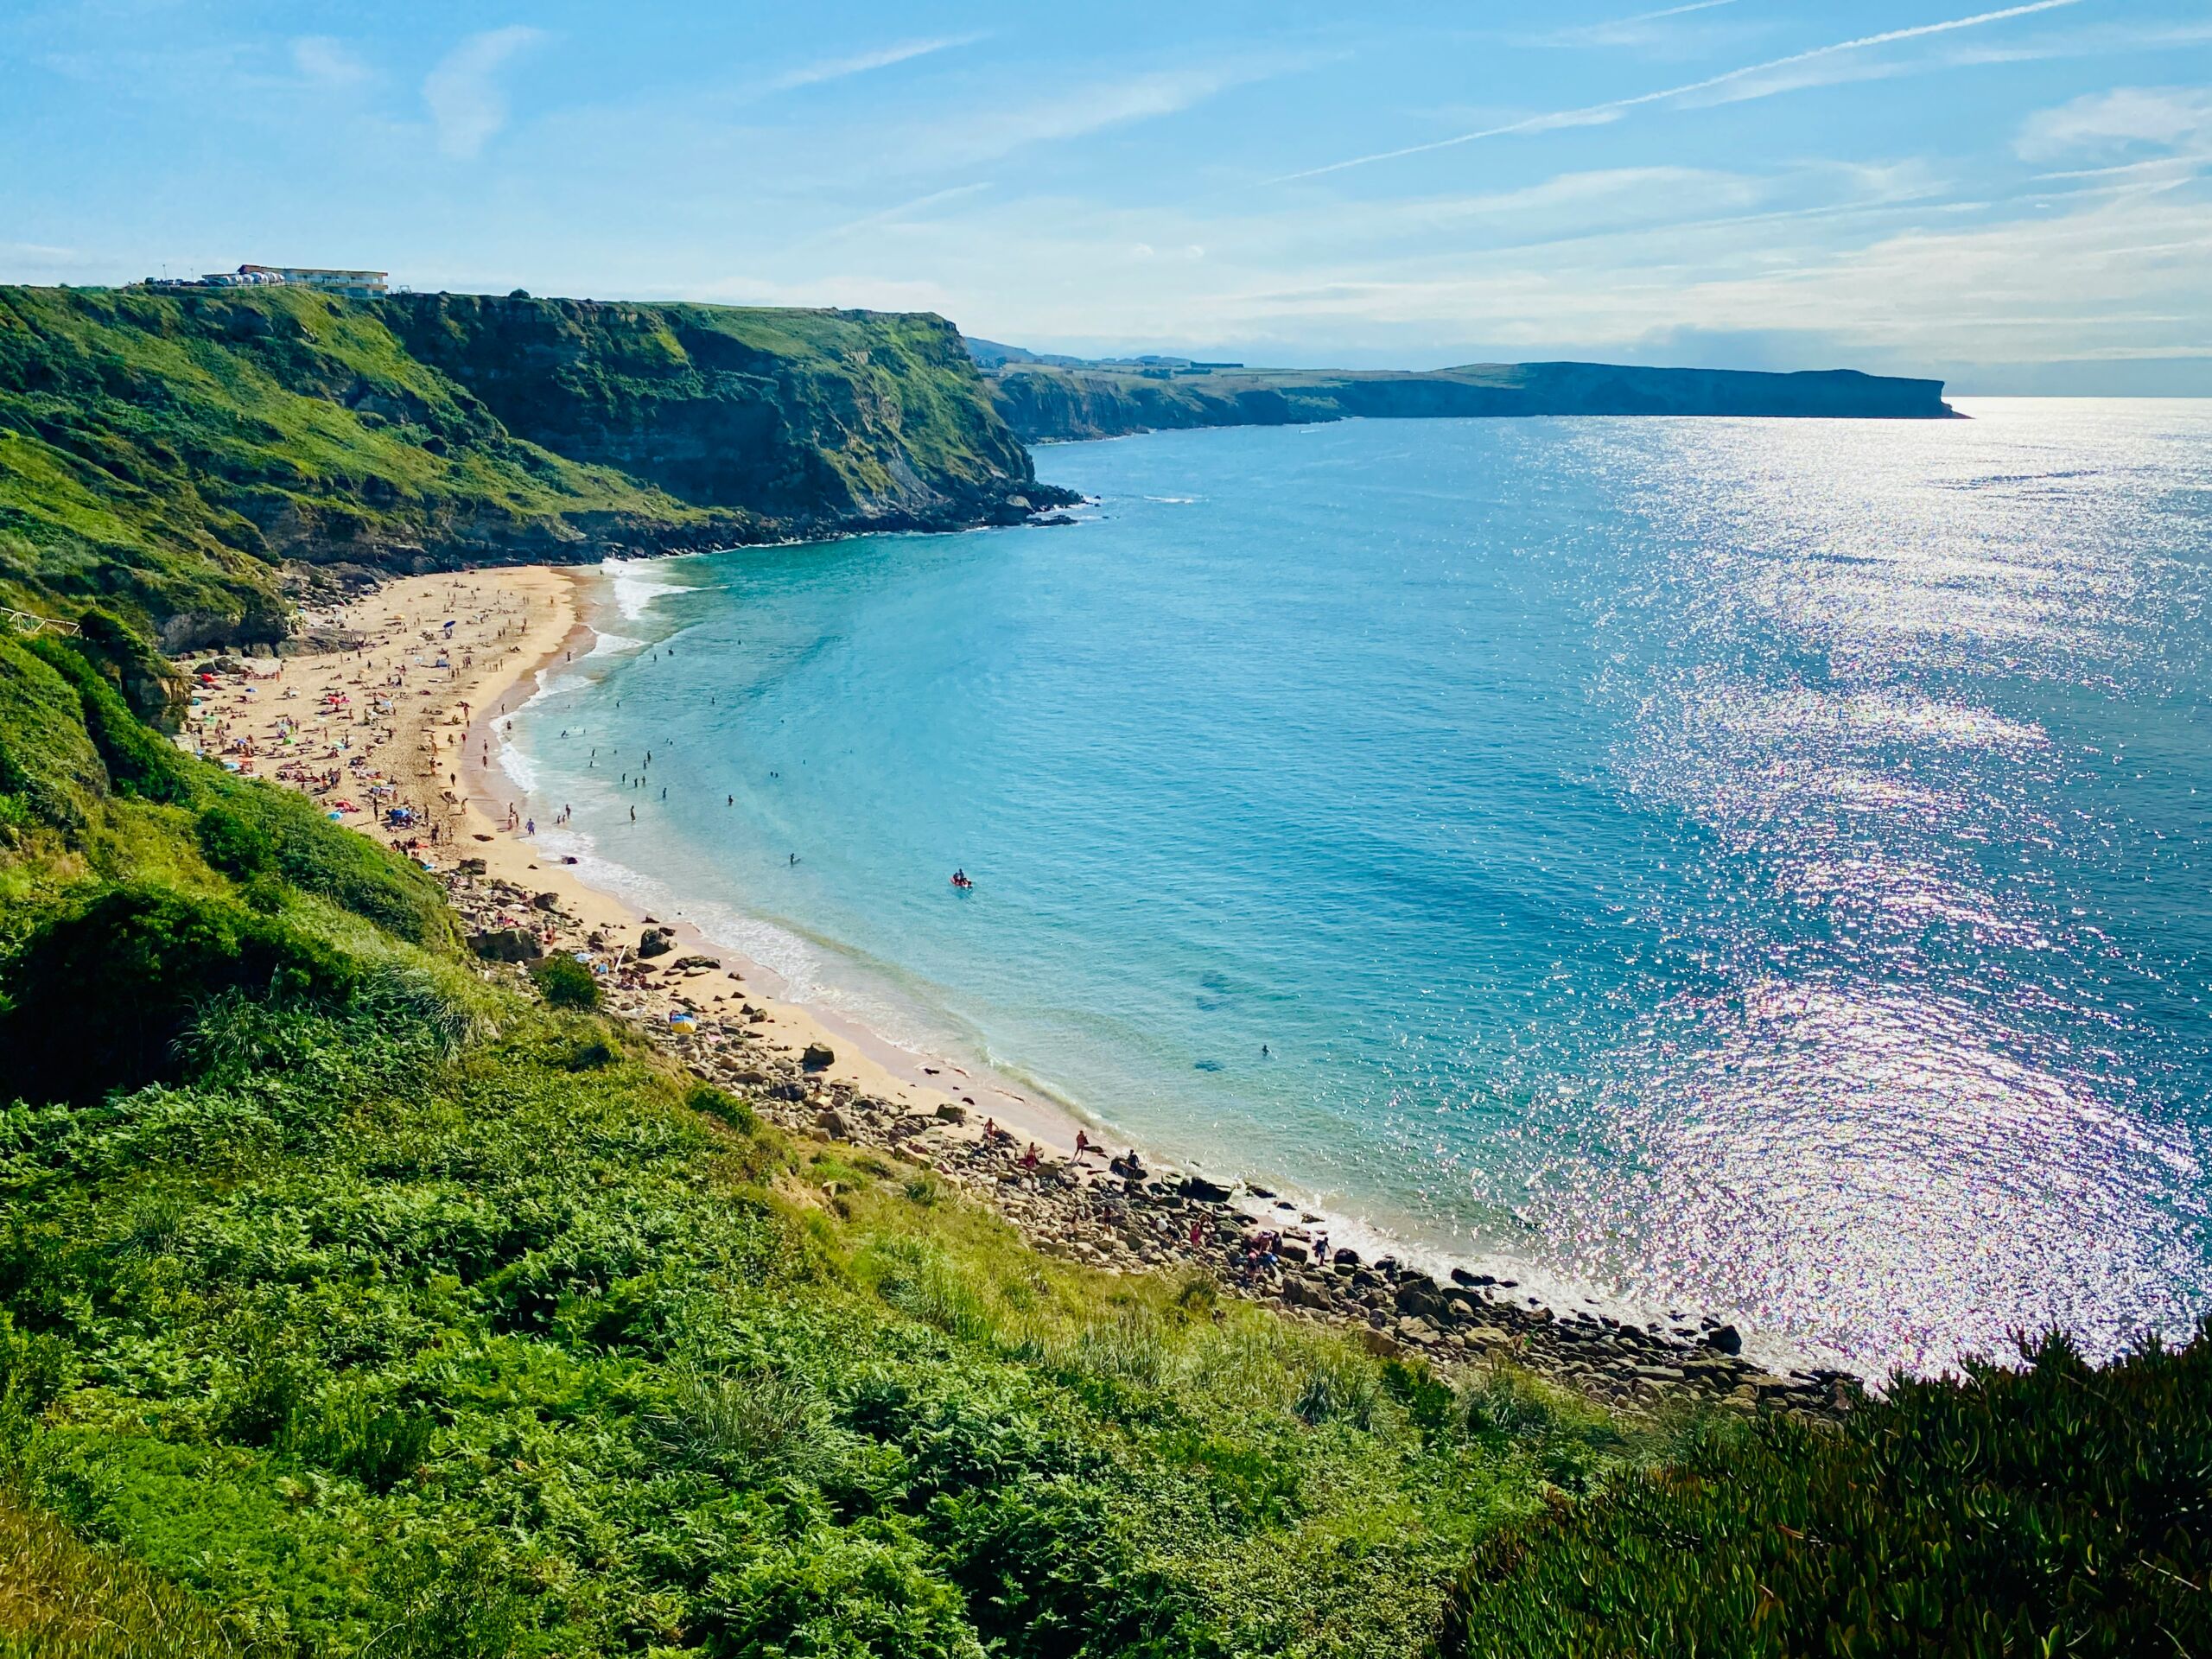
(818, 1057)
(654, 943)
(1726, 1339)
(948, 1113)
(833, 1122)
(506, 945)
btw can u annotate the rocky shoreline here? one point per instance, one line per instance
(1127, 1221)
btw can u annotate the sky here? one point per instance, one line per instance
(2015, 197)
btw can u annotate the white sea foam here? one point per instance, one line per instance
(637, 585)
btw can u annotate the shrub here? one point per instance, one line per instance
(327, 859)
(47, 760)
(832, 1593)
(139, 761)
(719, 1103)
(2056, 1509)
(375, 1445)
(101, 993)
(564, 983)
(235, 844)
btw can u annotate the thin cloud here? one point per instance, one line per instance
(1599, 114)
(323, 61)
(2170, 118)
(466, 104)
(905, 210)
(1073, 112)
(1625, 31)
(860, 63)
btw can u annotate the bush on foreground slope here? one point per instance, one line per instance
(2054, 1509)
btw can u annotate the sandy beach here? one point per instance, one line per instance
(408, 714)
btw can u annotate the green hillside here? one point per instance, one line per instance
(165, 453)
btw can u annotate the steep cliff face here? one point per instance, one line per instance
(1045, 402)
(835, 419)
(163, 454)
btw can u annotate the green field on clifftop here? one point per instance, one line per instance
(164, 453)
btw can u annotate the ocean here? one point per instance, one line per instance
(1754, 867)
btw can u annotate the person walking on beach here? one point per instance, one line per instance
(633, 815)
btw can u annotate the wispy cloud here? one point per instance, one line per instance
(1075, 112)
(466, 103)
(324, 62)
(1637, 30)
(860, 63)
(1592, 115)
(903, 211)
(2170, 118)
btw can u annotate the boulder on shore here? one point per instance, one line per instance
(506, 945)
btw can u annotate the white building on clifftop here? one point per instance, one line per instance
(355, 284)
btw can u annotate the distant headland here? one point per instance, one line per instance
(1045, 399)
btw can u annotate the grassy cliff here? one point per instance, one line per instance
(1050, 400)
(164, 454)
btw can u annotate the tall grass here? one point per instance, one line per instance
(61, 1599)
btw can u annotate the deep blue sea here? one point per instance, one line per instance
(1754, 867)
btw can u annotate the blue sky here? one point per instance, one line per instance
(2013, 196)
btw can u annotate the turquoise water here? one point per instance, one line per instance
(1754, 867)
